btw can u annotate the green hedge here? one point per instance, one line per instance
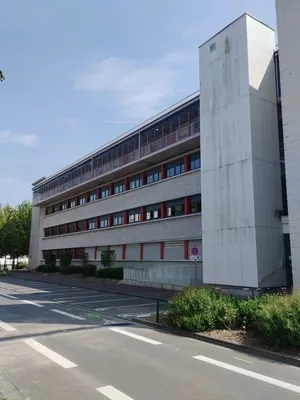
(273, 318)
(88, 270)
(110, 273)
(47, 268)
(201, 309)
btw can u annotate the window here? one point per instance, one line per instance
(195, 204)
(175, 168)
(61, 229)
(71, 227)
(47, 232)
(104, 192)
(54, 231)
(134, 216)
(153, 176)
(175, 208)
(195, 161)
(82, 199)
(49, 210)
(152, 212)
(118, 188)
(92, 224)
(80, 226)
(63, 205)
(135, 182)
(79, 254)
(93, 196)
(72, 203)
(104, 222)
(118, 219)
(56, 208)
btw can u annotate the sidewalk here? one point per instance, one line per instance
(94, 283)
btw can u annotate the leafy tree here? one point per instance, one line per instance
(15, 231)
(2, 77)
(108, 257)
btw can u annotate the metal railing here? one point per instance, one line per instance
(166, 140)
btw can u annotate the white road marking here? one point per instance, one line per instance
(9, 296)
(33, 303)
(250, 374)
(81, 297)
(112, 393)
(241, 359)
(124, 306)
(134, 336)
(53, 294)
(55, 357)
(108, 301)
(6, 327)
(69, 315)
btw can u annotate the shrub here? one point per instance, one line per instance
(40, 268)
(47, 268)
(202, 309)
(65, 259)
(21, 265)
(50, 259)
(247, 311)
(277, 321)
(3, 272)
(70, 270)
(89, 270)
(108, 258)
(110, 273)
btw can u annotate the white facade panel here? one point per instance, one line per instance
(289, 57)
(240, 154)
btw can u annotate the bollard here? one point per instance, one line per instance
(157, 309)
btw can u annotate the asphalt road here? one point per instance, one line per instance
(57, 351)
(122, 305)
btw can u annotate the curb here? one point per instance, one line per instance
(77, 285)
(254, 351)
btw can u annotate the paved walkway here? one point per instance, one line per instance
(95, 283)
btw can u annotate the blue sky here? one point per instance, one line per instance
(80, 73)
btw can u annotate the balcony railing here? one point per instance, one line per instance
(181, 133)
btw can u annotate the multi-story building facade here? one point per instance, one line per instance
(140, 195)
(163, 188)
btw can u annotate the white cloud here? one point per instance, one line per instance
(140, 87)
(28, 140)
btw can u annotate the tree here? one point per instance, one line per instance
(108, 257)
(15, 231)
(2, 77)
(5, 215)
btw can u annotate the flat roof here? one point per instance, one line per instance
(241, 16)
(120, 138)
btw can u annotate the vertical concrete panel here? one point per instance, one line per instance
(151, 251)
(118, 251)
(235, 129)
(289, 42)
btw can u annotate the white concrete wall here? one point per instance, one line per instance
(288, 12)
(242, 240)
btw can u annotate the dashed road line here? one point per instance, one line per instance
(134, 336)
(250, 374)
(33, 303)
(112, 393)
(7, 327)
(52, 355)
(241, 359)
(69, 315)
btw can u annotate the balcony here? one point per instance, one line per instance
(138, 148)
